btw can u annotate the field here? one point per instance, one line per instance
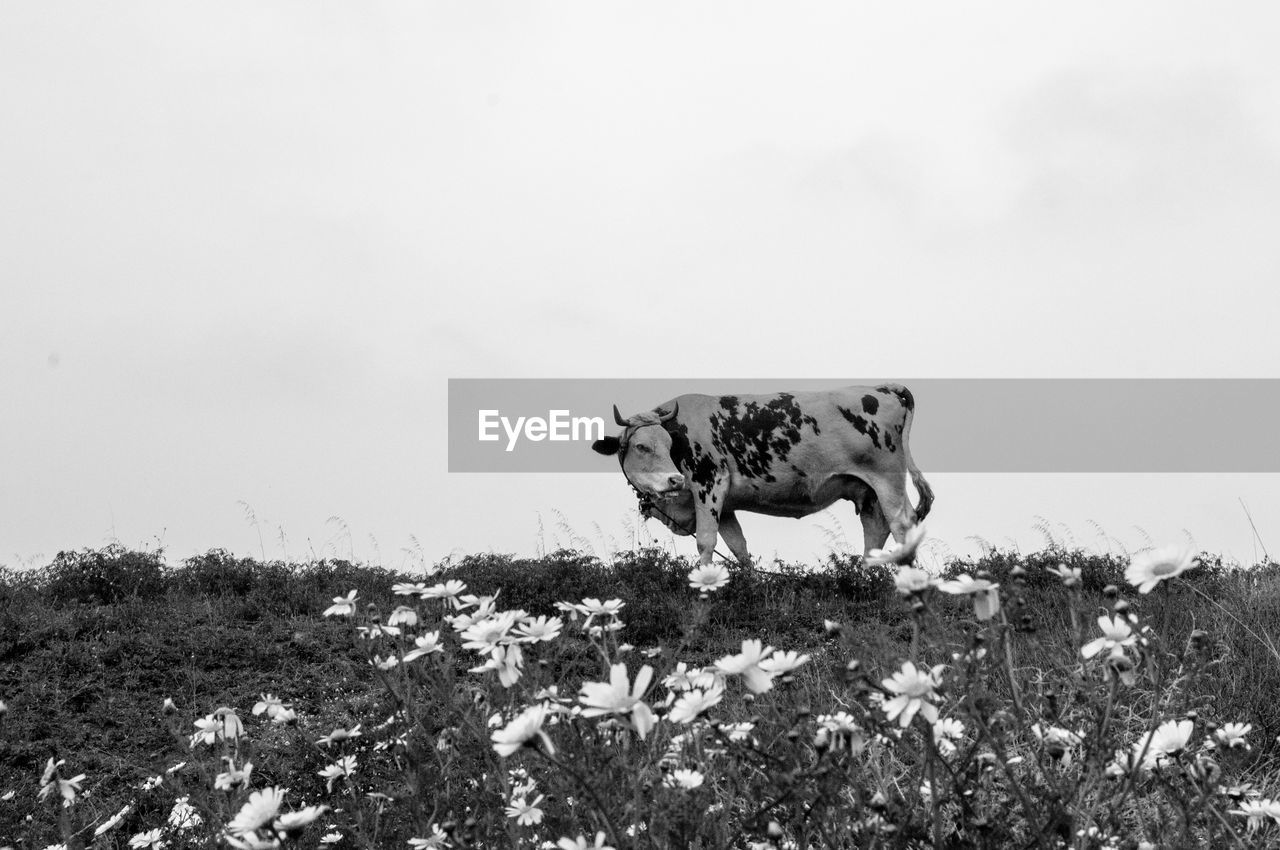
(907, 713)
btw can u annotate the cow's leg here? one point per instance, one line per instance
(891, 493)
(732, 534)
(875, 527)
(708, 506)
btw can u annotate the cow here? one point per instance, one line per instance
(696, 460)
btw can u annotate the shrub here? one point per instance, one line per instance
(108, 575)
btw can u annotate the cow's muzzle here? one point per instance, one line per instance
(675, 484)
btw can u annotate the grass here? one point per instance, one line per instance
(93, 644)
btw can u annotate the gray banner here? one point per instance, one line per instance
(961, 425)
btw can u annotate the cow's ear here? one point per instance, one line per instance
(607, 446)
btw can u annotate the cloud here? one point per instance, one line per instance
(1098, 148)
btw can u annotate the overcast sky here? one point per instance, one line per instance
(244, 245)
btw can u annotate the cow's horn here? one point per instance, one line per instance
(675, 405)
(617, 417)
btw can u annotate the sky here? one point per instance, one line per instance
(245, 245)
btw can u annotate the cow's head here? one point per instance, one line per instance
(644, 450)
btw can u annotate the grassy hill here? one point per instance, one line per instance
(93, 645)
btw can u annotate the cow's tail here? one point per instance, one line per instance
(917, 477)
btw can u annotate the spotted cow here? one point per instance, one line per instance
(696, 460)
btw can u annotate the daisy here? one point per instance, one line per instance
(403, 616)
(913, 580)
(269, 704)
(543, 628)
(50, 771)
(508, 661)
(737, 732)
(595, 608)
(342, 605)
(231, 777)
(525, 813)
(113, 821)
(946, 733)
(692, 703)
(616, 697)
(69, 788)
(479, 602)
(486, 636)
(1149, 568)
(1167, 741)
(708, 577)
(184, 815)
(525, 728)
(437, 840)
(340, 735)
(424, 645)
(149, 839)
(840, 731)
(1116, 633)
(444, 590)
(904, 554)
(416, 588)
(683, 778)
(251, 841)
(683, 678)
(462, 622)
(343, 767)
(1070, 575)
(287, 715)
(913, 688)
(580, 843)
(1231, 735)
(208, 730)
(377, 630)
(292, 823)
(258, 811)
(1257, 811)
(747, 665)
(782, 662)
(986, 602)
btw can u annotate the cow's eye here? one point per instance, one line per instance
(644, 450)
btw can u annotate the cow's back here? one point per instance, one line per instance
(781, 449)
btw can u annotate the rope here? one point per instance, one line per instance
(647, 502)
